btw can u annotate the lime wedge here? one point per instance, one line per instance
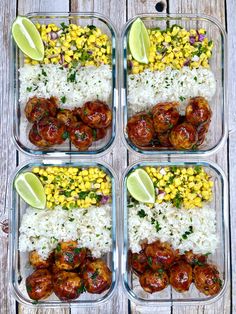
(140, 186)
(28, 38)
(139, 42)
(31, 190)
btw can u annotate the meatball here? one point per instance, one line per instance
(39, 284)
(69, 256)
(140, 129)
(96, 114)
(35, 138)
(165, 116)
(81, 136)
(154, 281)
(97, 276)
(194, 259)
(37, 108)
(139, 262)
(67, 285)
(163, 139)
(198, 111)
(37, 262)
(183, 136)
(52, 130)
(159, 254)
(181, 276)
(67, 117)
(98, 134)
(207, 279)
(202, 132)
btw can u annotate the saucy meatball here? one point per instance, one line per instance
(194, 259)
(202, 132)
(165, 116)
(207, 279)
(159, 254)
(35, 138)
(183, 136)
(37, 108)
(69, 256)
(52, 130)
(154, 281)
(96, 276)
(163, 139)
(181, 276)
(98, 134)
(37, 262)
(67, 285)
(96, 114)
(198, 111)
(81, 136)
(138, 262)
(39, 284)
(140, 129)
(67, 117)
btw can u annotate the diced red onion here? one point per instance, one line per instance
(53, 35)
(61, 59)
(201, 37)
(104, 200)
(192, 39)
(186, 63)
(90, 52)
(130, 64)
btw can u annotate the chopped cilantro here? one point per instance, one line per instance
(44, 73)
(77, 250)
(177, 201)
(149, 260)
(195, 78)
(65, 135)
(198, 169)
(29, 89)
(91, 27)
(187, 233)
(156, 224)
(63, 99)
(142, 213)
(81, 289)
(58, 248)
(182, 98)
(95, 274)
(82, 195)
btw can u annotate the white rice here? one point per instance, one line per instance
(90, 83)
(41, 230)
(148, 88)
(173, 224)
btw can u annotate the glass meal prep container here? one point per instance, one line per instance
(19, 267)
(217, 132)
(220, 258)
(21, 126)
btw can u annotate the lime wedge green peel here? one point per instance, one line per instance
(140, 186)
(139, 42)
(31, 190)
(28, 38)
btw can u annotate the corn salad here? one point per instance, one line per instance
(74, 187)
(188, 187)
(69, 44)
(175, 47)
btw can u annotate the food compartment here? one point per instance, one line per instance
(187, 60)
(172, 247)
(79, 67)
(72, 242)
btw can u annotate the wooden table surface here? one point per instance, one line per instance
(119, 12)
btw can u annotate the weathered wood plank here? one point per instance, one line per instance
(7, 151)
(23, 8)
(216, 9)
(231, 26)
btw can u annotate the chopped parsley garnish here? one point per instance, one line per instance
(72, 77)
(71, 219)
(81, 289)
(142, 213)
(29, 89)
(95, 274)
(195, 78)
(63, 99)
(91, 27)
(82, 195)
(44, 73)
(65, 135)
(181, 98)
(177, 201)
(149, 260)
(156, 224)
(187, 233)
